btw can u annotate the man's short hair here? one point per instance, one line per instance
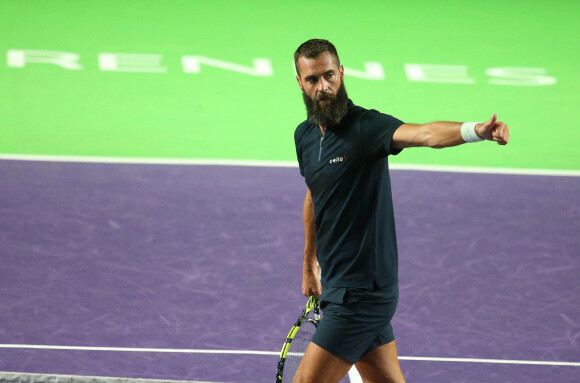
(312, 49)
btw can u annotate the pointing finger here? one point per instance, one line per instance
(493, 119)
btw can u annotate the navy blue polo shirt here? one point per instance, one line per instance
(347, 173)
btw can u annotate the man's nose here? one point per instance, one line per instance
(322, 86)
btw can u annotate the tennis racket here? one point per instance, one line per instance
(297, 340)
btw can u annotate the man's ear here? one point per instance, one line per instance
(341, 72)
(299, 82)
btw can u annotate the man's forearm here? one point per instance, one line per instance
(310, 262)
(444, 134)
(310, 269)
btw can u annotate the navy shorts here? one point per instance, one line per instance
(356, 321)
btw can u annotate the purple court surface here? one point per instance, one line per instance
(193, 273)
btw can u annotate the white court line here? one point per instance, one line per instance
(354, 375)
(10, 376)
(249, 352)
(147, 161)
(286, 164)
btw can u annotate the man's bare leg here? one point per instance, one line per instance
(381, 365)
(320, 366)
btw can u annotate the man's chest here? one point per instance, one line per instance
(330, 160)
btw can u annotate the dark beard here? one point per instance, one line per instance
(330, 114)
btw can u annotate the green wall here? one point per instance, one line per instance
(159, 109)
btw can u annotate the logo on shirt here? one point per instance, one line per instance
(337, 159)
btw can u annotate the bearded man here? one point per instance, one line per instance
(349, 225)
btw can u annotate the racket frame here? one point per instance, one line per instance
(311, 305)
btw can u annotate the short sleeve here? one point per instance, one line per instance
(377, 133)
(297, 136)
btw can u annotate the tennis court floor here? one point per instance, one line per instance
(192, 273)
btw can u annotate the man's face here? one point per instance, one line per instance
(321, 82)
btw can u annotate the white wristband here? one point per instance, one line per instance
(468, 132)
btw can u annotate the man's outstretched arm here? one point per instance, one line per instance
(443, 134)
(310, 269)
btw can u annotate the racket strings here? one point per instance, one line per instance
(297, 348)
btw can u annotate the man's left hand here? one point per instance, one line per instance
(494, 130)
